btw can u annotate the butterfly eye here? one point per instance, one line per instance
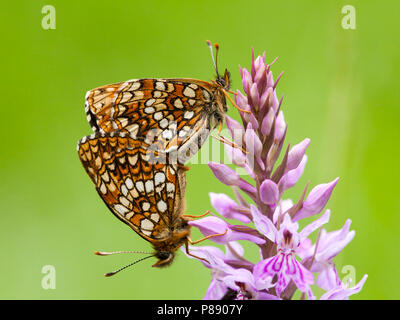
(218, 118)
(162, 255)
(222, 82)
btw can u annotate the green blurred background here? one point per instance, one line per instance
(341, 90)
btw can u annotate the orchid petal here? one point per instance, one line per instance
(263, 224)
(316, 200)
(269, 192)
(315, 224)
(227, 207)
(296, 154)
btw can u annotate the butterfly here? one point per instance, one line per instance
(172, 114)
(145, 194)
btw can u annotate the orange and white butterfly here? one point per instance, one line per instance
(173, 114)
(146, 195)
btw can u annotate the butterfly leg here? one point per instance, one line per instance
(195, 217)
(224, 140)
(192, 255)
(207, 237)
(220, 128)
(183, 167)
(234, 104)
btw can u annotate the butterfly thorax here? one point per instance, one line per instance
(218, 106)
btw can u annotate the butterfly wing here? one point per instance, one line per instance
(167, 112)
(147, 196)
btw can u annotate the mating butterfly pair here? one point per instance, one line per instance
(129, 118)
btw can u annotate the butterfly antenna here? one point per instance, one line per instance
(109, 274)
(104, 253)
(212, 55)
(216, 57)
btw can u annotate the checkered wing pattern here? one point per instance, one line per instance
(147, 196)
(171, 113)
